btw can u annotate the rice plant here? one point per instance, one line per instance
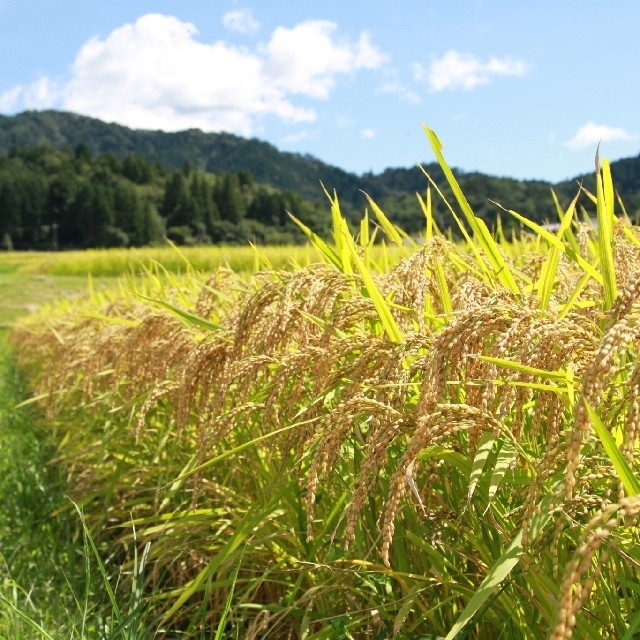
(444, 447)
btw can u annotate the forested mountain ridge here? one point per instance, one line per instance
(210, 152)
(57, 169)
(70, 198)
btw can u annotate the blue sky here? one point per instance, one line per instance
(513, 88)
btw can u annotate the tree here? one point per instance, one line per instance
(228, 198)
(177, 205)
(136, 169)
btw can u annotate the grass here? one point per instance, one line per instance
(116, 262)
(444, 446)
(39, 550)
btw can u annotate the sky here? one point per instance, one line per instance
(512, 88)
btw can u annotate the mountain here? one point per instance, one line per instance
(394, 189)
(210, 152)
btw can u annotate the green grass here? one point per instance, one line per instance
(40, 544)
(24, 293)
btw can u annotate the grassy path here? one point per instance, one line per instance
(43, 575)
(37, 549)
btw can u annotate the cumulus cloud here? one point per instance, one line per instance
(242, 21)
(591, 134)
(41, 94)
(457, 70)
(307, 58)
(11, 98)
(156, 74)
(368, 133)
(401, 90)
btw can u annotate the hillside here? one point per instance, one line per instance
(211, 152)
(394, 189)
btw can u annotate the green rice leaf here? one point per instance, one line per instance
(484, 271)
(482, 453)
(575, 295)
(606, 220)
(443, 288)
(406, 607)
(427, 209)
(364, 229)
(111, 319)
(189, 318)
(250, 521)
(629, 479)
(506, 457)
(231, 452)
(481, 233)
(220, 631)
(390, 230)
(329, 254)
(553, 240)
(450, 456)
(560, 376)
(341, 233)
(497, 574)
(549, 269)
(389, 324)
(569, 236)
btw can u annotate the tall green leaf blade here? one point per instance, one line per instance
(606, 221)
(468, 239)
(506, 457)
(497, 574)
(443, 288)
(387, 226)
(319, 243)
(341, 233)
(188, 318)
(427, 210)
(482, 453)
(553, 240)
(243, 531)
(549, 270)
(572, 301)
(629, 479)
(387, 320)
(501, 270)
(406, 607)
(560, 376)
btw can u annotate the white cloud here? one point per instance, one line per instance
(41, 94)
(591, 134)
(368, 133)
(457, 70)
(155, 74)
(401, 90)
(306, 58)
(242, 21)
(9, 99)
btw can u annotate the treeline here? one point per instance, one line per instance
(70, 198)
(394, 189)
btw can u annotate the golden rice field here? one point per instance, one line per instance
(439, 445)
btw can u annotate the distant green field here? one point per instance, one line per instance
(29, 280)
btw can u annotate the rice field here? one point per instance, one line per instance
(437, 440)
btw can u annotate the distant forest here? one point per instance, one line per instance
(69, 198)
(69, 181)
